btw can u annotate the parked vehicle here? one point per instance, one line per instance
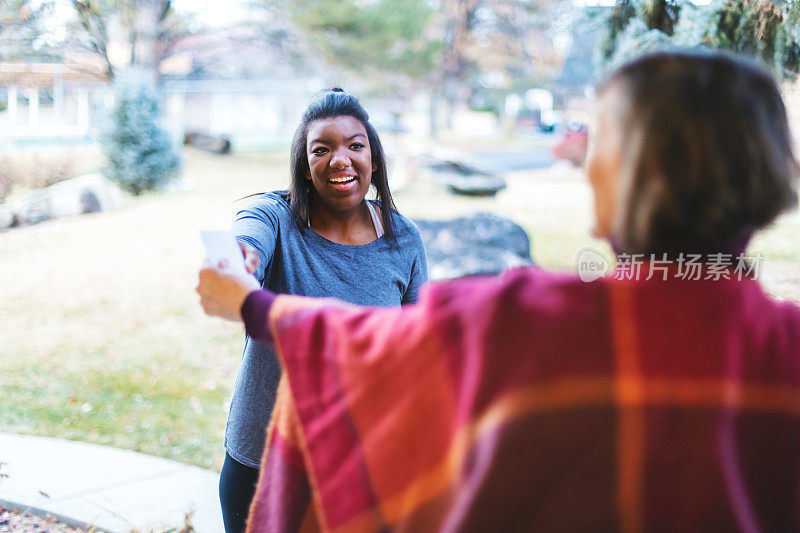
(573, 145)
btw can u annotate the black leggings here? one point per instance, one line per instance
(237, 483)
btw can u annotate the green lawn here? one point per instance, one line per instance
(101, 335)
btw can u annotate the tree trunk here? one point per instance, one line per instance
(146, 27)
(433, 111)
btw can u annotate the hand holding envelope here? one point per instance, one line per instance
(226, 277)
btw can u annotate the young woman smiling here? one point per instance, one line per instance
(322, 237)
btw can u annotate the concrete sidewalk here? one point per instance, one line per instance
(115, 490)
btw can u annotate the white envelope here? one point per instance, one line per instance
(221, 246)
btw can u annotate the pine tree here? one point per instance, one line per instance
(618, 20)
(769, 30)
(139, 151)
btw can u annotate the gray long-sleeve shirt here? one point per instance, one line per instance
(381, 273)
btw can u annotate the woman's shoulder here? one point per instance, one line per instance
(547, 295)
(406, 232)
(278, 198)
(274, 202)
(403, 226)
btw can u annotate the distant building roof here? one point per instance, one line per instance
(46, 74)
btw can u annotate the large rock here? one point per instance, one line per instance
(210, 143)
(31, 209)
(482, 243)
(463, 178)
(6, 216)
(89, 193)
